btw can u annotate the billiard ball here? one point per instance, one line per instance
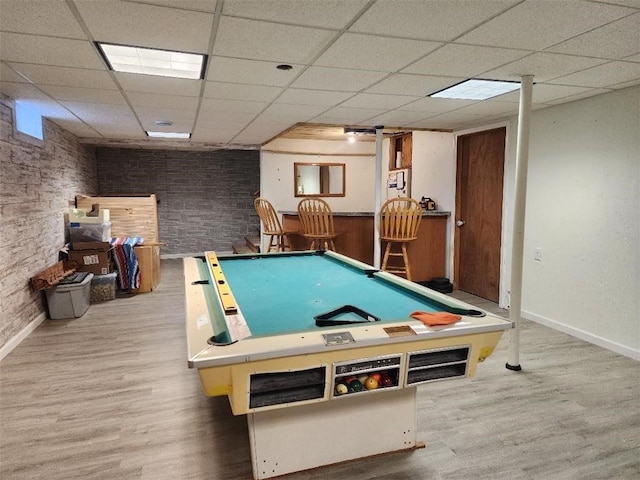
(371, 383)
(377, 376)
(355, 386)
(363, 378)
(341, 389)
(387, 381)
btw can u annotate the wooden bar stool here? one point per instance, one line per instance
(278, 237)
(399, 222)
(317, 223)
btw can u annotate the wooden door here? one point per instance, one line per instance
(480, 171)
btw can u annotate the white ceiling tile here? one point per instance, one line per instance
(39, 17)
(396, 118)
(337, 79)
(120, 131)
(77, 94)
(630, 83)
(633, 58)
(544, 93)
(260, 132)
(95, 112)
(536, 25)
(228, 119)
(62, 52)
(343, 115)
(220, 105)
(8, 75)
(409, 84)
(79, 129)
(235, 91)
(447, 120)
(132, 82)
(312, 97)
(490, 107)
(332, 14)
(261, 41)
(65, 76)
(370, 100)
(255, 72)
(279, 112)
(216, 134)
(543, 66)
(166, 101)
(464, 60)
(23, 91)
(603, 75)
(195, 5)
(367, 52)
(613, 41)
(437, 105)
(174, 115)
(440, 20)
(143, 25)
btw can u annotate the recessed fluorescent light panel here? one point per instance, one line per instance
(476, 89)
(149, 61)
(169, 135)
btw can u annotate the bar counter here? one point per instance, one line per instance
(427, 254)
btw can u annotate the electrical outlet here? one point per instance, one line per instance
(537, 254)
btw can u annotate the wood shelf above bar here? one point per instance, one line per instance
(427, 253)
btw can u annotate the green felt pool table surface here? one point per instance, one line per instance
(283, 293)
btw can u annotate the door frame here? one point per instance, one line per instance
(507, 214)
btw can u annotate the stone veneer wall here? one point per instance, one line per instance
(205, 198)
(38, 183)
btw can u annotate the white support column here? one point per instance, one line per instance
(377, 198)
(517, 246)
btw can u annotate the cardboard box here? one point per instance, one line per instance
(91, 257)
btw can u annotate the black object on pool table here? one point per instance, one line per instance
(329, 319)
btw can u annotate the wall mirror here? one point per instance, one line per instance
(319, 179)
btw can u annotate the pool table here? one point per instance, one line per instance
(321, 354)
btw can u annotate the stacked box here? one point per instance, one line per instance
(103, 287)
(91, 257)
(89, 232)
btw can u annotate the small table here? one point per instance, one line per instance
(252, 336)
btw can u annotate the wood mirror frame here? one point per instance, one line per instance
(319, 179)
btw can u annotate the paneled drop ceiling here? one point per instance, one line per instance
(356, 62)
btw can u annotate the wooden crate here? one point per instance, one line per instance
(131, 216)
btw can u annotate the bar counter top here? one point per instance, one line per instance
(425, 213)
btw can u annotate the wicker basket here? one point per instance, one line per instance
(52, 276)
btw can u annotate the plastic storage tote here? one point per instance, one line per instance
(70, 298)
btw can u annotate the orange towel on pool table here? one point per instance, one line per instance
(435, 318)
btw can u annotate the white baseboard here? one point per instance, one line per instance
(583, 335)
(24, 333)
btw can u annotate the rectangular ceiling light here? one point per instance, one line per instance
(169, 135)
(149, 61)
(477, 89)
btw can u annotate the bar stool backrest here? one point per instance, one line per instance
(399, 219)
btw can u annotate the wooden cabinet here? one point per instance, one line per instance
(149, 264)
(427, 254)
(401, 150)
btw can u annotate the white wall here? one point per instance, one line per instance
(583, 202)
(277, 177)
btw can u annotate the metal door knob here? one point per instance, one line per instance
(460, 223)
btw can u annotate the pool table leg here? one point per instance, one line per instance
(293, 439)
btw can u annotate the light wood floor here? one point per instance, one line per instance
(109, 396)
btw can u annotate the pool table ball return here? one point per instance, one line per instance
(305, 343)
